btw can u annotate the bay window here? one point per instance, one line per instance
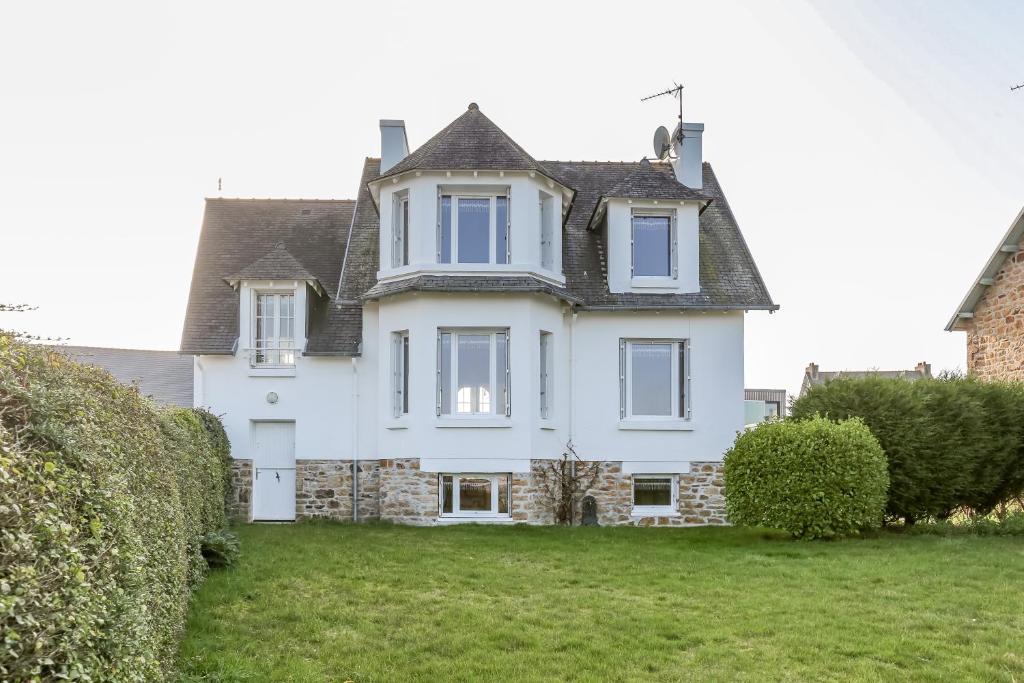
(654, 239)
(273, 336)
(547, 231)
(474, 495)
(473, 373)
(654, 378)
(473, 228)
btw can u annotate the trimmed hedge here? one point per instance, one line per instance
(104, 502)
(814, 479)
(951, 443)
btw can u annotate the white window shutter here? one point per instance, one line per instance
(674, 239)
(508, 376)
(632, 247)
(622, 378)
(438, 393)
(439, 253)
(508, 225)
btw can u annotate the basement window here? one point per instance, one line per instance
(654, 494)
(474, 495)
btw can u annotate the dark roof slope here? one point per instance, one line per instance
(650, 181)
(471, 142)
(464, 284)
(166, 376)
(239, 232)
(276, 265)
(729, 279)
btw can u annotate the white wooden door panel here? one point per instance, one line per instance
(273, 471)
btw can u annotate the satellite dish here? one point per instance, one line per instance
(662, 143)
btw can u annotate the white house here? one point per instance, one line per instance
(425, 348)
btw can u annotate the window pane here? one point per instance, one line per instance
(474, 230)
(446, 373)
(503, 494)
(501, 375)
(474, 373)
(446, 230)
(652, 245)
(651, 379)
(446, 494)
(501, 230)
(652, 491)
(474, 494)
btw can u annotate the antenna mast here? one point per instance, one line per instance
(677, 92)
(1016, 87)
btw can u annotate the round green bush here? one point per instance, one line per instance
(813, 478)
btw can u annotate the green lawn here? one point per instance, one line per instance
(333, 602)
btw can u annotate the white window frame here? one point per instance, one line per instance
(400, 230)
(453, 378)
(546, 397)
(673, 245)
(497, 480)
(649, 510)
(681, 404)
(399, 373)
(492, 224)
(280, 349)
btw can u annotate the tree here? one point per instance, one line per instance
(565, 480)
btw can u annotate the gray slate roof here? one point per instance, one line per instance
(276, 265)
(321, 235)
(472, 142)
(166, 376)
(649, 181)
(237, 233)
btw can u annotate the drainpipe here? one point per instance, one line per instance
(355, 438)
(572, 403)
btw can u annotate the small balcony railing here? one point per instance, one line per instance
(272, 354)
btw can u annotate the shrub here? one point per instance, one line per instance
(1011, 525)
(951, 443)
(813, 478)
(220, 548)
(104, 500)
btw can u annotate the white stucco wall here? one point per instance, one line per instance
(620, 250)
(524, 211)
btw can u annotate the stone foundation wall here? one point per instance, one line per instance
(240, 495)
(323, 488)
(995, 335)
(398, 491)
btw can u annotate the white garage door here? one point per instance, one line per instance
(273, 471)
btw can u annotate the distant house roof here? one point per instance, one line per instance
(813, 376)
(166, 376)
(337, 241)
(1009, 245)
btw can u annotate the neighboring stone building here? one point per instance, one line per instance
(991, 313)
(813, 376)
(420, 353)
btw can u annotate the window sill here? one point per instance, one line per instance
(482, 519)
(656, 425)
(396, 423)
(547, 424)
(473, 422)
(654, 512)
(271, 372)
(654, 282)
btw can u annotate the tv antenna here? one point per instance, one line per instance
(677, 92)
(1016, 87)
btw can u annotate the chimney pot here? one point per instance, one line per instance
(924, 369)
(812, 370)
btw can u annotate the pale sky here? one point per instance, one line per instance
(869, 150)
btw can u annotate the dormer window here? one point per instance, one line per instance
(273, 343)
(473, 228)
(654, 244)
(400, 231)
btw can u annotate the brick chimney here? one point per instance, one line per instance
(812, 370)
(924, 369)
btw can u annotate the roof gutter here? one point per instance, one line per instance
(710, 307)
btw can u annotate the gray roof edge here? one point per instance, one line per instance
(681, 307)
(994, 264)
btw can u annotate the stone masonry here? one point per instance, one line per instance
(995, 335)
(398, 491)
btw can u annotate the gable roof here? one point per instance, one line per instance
(647, 181)
(471, 142)
(278, 264)
(239, 233)
(1008, 246)
(166, 376)
(813, 376)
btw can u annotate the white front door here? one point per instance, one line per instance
(273, 487)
